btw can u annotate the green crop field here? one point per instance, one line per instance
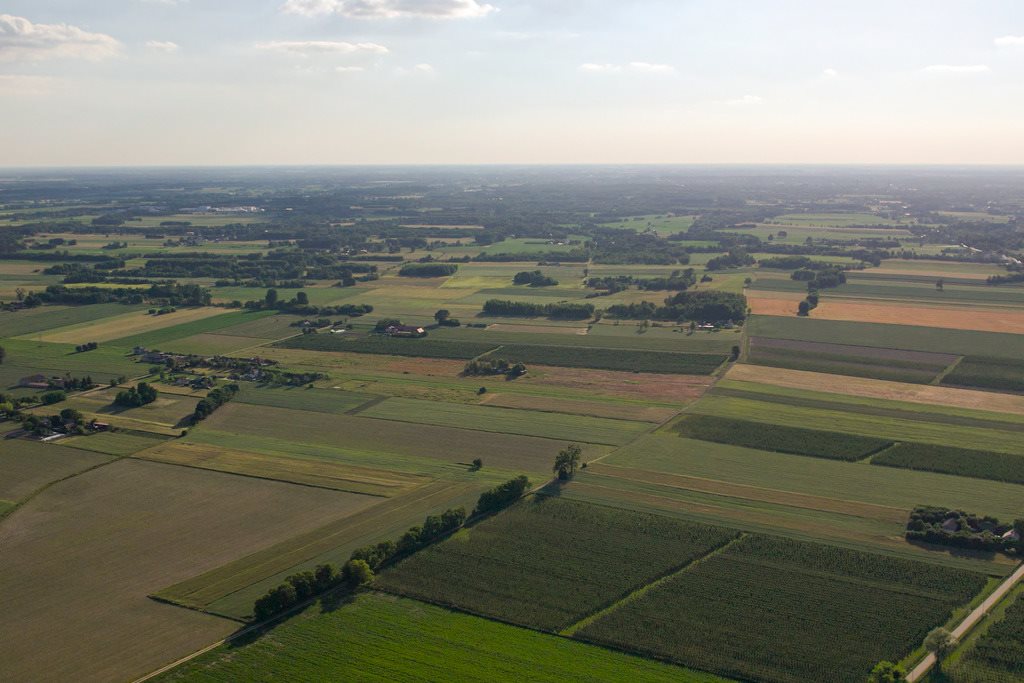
(48, 318)
(964, 462)
(303, 398)
(508, 420)
(607, 335)
(115, 443)
(385, 638)
(548, 563)
(886, 486)
(880, 335)
(998, 655)
(820, 444)
(772, 609)
(25, 357)
(891, 428)
(610, 359)
(423, 348)
(162, 337)
(1002, 374)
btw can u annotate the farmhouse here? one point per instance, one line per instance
(405, 331)
(1012, 535)
(34, 382)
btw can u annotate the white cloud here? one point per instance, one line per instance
(745, 101)
(348, 69)
(17, 85)
(423, 69)
(390, 9)
(306, 48)
(162, 46)
(830, 73)
(21, 39)
(1009, 41)
(635, 67)
(956, 69)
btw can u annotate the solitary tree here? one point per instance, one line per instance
(271, 298)
(567, 461)
(804, 308)
(887, 672)
(442, 315)
(301, 298)
(940, 642)
(939, 284)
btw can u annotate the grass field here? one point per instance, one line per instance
(384, 638)
(619, 410)
(547, 563)
(303, 398)
(80, 559)
(25, 357)
(771, 609)
(426, 348)
(114, 443)
(231, 588)
(889, 336)
(509, 421)
(162, 337)
(43, 319)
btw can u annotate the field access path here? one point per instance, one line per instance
(970, 621)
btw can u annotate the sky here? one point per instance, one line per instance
(234, 82)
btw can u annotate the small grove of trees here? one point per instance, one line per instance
(302, 586)
(136, 396)
(443, 317)
(501, 496)
(567, 461)
(427, 269)
(941, 643)
(557, 311)
(81, 348)
(700, 305)
(494, 366)
(433, 528)
(533, 278)
(887, 672)
(214, 399)
(736, 258)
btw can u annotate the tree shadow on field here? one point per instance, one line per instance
(336, 600)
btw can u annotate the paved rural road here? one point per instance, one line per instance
(973, 618)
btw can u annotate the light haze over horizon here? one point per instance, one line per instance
(232, 82)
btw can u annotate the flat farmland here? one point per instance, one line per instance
(124, 325)
(997, 656)
(128, 529)
(547, 563)
(33, 321)
(210, 344)
(303, 398)
(862, 423)
(309, 470)
(611, 359)
(389, 638)
(877, 389)
(1000, 374)
(428, 348)
(114, 443)
(209, 322)
(616, 410)
(512, 453)
(885, 486)
(785, 611)
(26, 357)
(508, 420)
(231, 588)
(168, 410)
(917, 336)
(946, 317)
(25, 466)
(844, 359)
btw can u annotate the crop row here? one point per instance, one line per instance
(767, 437)
(950, 460)
(999, 654)
(548, 562)
(786, 611)
(612, 359)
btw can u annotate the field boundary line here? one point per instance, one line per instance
(937, 380)
(970, 621)
(17, 504)
(571, 630)
(367, 405)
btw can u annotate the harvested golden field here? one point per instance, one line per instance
(619, 411)
(878, 388)
(537, 329)
(309, 471)
(125, 325)
(650, 386)
(80, 559)
(955, 318)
